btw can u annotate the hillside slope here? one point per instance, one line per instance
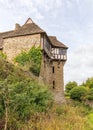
(8, 69)
(20, 96)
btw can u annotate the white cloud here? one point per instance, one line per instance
(78, 2)
(69, 4)
(80, 64)
(47, 5)
(39, 16)
(17, 11)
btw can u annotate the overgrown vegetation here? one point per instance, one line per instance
(3, 55)
(83, 94)
(20, 97)
(80, 92)
(26, 105)
(68, 116)
(69, 86)
(31, 59)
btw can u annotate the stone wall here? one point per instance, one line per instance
(52, 74)
(46, 72)
(13, 46)
(58, 76)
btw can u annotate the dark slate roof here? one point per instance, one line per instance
(26, 29)
(56, 43)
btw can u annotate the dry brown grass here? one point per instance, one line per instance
(63, 117)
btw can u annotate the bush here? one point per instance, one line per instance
(32, 58)
(70, 85)
(35, 55)
(90, 94)
(24, 98)
(89, 82)
(20, 96)
(2, 55)
(78, 93)
(22, 58)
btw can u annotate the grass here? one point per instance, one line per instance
(69, 116)
(90, 117)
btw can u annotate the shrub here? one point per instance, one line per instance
(2, 55)
(31, 58)
(90, 94)
(20, 96)
(22, 58)
(77, 93)
(70, 85)
(24, 98)
(35, 55)
(89, 82)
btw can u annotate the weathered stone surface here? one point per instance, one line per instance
(14, 46)
(53, 78)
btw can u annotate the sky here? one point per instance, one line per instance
(70, 20)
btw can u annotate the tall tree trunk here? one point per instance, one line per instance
(6, 116)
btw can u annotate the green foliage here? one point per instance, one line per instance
(75, 92)
(2, 55)
(22, 58)
(78, 93)
(69, 86)
(90, 94)
(61, 110)
(30, 98)
(33, 57)
(90, 117)
(23, 98)
(89, 83)
(20, 96)
(1, 110)
(62, 117)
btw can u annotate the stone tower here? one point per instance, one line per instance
(54, 53)
(54, 58)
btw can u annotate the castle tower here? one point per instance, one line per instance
(54, 58)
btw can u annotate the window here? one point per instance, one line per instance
(62, 51)
(53, 84)
(53, 69)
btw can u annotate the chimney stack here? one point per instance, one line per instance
(17, 26)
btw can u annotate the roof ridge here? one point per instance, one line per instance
(29, 21)
(26, 29)
(7, 32)
(56, 42)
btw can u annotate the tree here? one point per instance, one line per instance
(90, 94)
(77, 93)
(20, 100)
(70, 85)
(4, 102)
(89, 83)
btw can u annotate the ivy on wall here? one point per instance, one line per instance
(32, 57)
